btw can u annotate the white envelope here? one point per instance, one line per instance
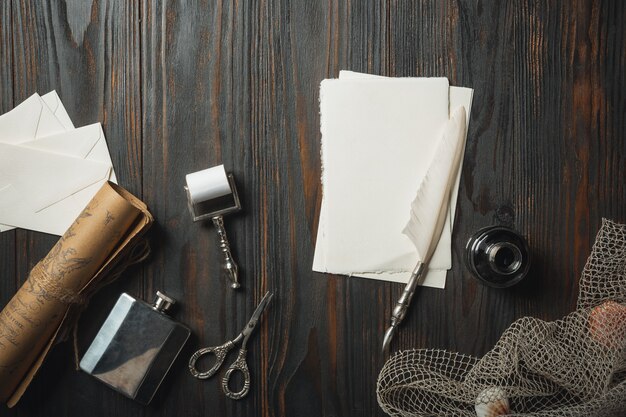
(53, 101)
(30, 180)
(87, 143)
(30, 120)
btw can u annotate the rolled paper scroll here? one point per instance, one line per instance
(102, 235)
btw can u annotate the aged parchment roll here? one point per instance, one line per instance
(101, 235)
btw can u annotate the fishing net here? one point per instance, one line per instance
(575, 366)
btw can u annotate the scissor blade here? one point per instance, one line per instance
(257, 314)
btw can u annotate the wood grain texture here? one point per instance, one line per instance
(7, 239)
(181, 86)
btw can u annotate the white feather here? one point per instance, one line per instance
(430, 206)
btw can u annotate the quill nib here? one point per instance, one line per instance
(387, 339)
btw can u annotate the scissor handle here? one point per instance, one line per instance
(220, 354)
(239, 365)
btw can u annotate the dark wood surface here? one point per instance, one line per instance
(183, 85)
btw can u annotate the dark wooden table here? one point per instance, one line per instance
(183, 85)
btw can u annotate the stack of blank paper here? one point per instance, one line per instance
(378, 139)
(49, 170)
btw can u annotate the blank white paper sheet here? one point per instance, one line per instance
(378, 139)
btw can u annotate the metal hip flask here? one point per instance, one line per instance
(136, 347)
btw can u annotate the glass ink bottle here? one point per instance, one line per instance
(497, 256)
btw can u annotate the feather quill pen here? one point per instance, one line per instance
(429, 210)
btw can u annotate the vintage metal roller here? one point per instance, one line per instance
(211, 194)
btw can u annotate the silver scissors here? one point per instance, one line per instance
(220, 354)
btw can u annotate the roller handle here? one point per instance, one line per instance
(231, 268)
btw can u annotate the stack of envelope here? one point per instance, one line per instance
(49, 170)
(379, 137)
